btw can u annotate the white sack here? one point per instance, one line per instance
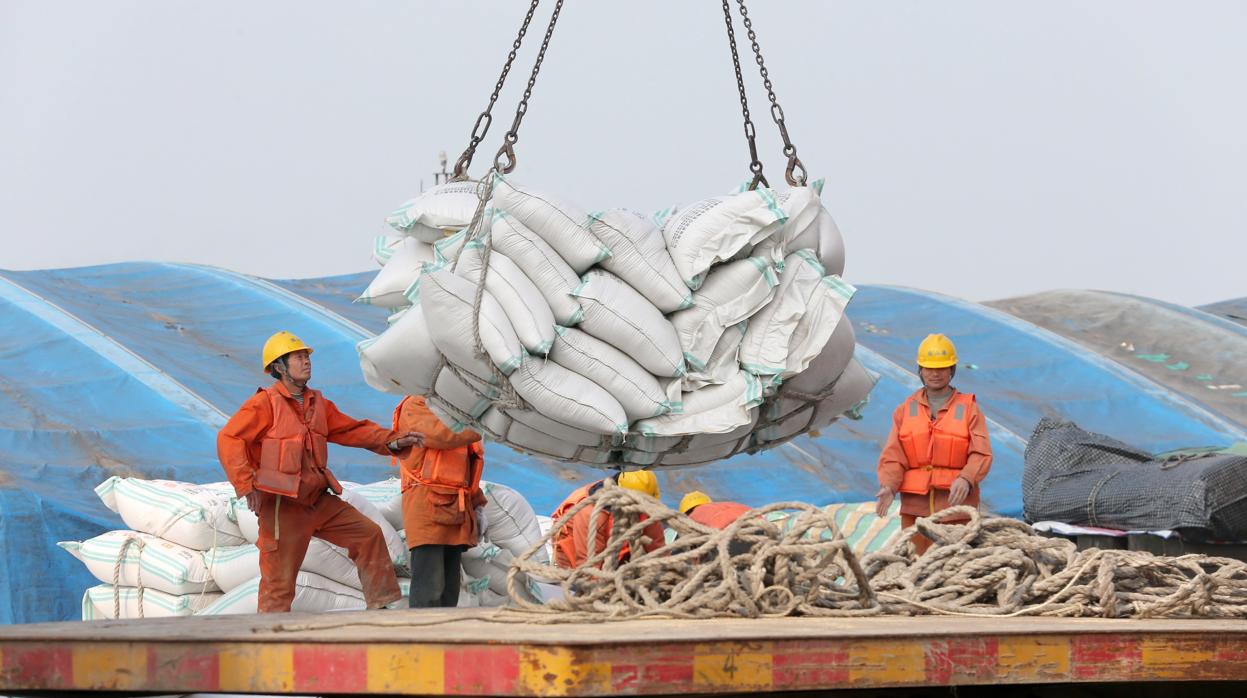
(98, 603)
(248, 524)
(801, 206)
(716, 229)
(407, 261)
(159, 564)
(386, 495)
(847, 395)
(436, 212)
(563, 226)
(521, 300)
(825, 240)
(731, 293)
(233, 566)
(464, 397)
(723, 363)
(512, 522)
(312, 594)
(403, 359)
(636, 389)
(828, 365)
(639, 256)
(541, 423)
(568, 397)
(383, 247)
(488, 562)
(765, 348)
(823, 314)
(712, 410)
(525, 438)
(393, 543)
(447, 301)
(543, 266)
(189, 515)
(615, 313)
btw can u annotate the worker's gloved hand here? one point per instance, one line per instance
(481, 522)
(411, 438)
(958, 492)
(253, 501)
(884, 499)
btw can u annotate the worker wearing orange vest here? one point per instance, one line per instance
(699, 507)
(274, 452)
(442, 502)
(939, 450)
(571, 543)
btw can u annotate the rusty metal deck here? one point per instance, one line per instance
(464, 652)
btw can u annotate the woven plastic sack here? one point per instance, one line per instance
(615, 313)
(639, 256)
(731, 294)
(712, 410)
(159, 564)
(768, 339)
(436, 212)
(192, 516)
(403, 359)
(98, 603)
(716, 229)
(312, 593)
(562, 225)
(637, 390)
(447, 301)
(568, 397)
(801, 206)
(547, 270)
(390, 286)
(521, 300)
(824, 239)
(724, 360)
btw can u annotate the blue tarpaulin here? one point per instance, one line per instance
(130, 369)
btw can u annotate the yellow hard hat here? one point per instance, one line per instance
(642, 481)
(281, 344)
(937, 351)
(695, 498)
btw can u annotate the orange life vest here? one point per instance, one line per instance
(718, 515)
(449, 471)
(293, 442)
(935, 451)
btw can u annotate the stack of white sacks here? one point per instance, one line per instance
(191, 549)
(674, 339)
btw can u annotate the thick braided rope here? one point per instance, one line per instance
(987, 567)
(138, 543)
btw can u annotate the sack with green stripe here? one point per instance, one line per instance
(197, 517)
(144, 559)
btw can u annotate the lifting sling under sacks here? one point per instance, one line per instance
(935, 450)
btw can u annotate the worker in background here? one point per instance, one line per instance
(699, 507)
(442, 502)
(571, 543)
(274, 451)
(938, 451)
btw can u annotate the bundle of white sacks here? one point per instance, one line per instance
(674, 339)
(191, 549)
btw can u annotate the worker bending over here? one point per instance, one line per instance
(699, 507)
(571, 543)
(442, 502)
(938, 451)
(274, 451)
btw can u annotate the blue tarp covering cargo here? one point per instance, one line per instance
(130, 369)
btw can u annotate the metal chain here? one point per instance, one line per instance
(755, 165)
(483, 122)
(513, 136)
(795, 173)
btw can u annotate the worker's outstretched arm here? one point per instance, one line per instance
(416, 416)
(979, 459)
(251, 421)
(359, 433)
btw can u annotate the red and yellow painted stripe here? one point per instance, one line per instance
(661, 667)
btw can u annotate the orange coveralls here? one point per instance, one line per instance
(571, 547)
(287, 524)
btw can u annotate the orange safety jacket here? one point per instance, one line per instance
(441, 479)
(718, 515)
(293, 442)
(935, 450)
(444, 470)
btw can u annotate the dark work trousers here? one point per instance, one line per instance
(435, 576)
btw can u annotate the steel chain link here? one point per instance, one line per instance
(485, 120)
(795, 173)
(513, 135)
(755, 165)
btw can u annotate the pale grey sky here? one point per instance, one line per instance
(982, 149)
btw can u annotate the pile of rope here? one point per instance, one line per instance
(986, 567)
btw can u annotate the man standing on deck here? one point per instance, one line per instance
(274, 451)
(938, 451)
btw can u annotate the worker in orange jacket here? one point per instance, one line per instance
(571, 543)
(699, 507)
(442, 502)
(274, 452)
(939, 450)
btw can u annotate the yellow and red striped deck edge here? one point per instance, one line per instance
(470, 655)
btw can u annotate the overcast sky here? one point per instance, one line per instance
(982, 149)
